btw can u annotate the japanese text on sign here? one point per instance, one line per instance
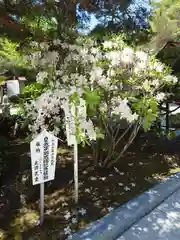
(46, 158)
(43, 157)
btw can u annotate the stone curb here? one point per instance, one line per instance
(118, 221)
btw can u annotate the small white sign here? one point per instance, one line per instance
(13, 88)
(70, 123)
(43, 157)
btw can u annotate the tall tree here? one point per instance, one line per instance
(133, 21)
(66, 12)
(165, 23)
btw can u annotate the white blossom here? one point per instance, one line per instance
(157, 66)
(67, 230)
(127, 73)
(111, 73)
(108, 44)
(103, 178)
(114, 57)
(74, 220)
(125, 112)
(120, 184)
(142, 56)
(67, 215)
(41, 76)
(90, 130)
(56, 42)
(127, 56)
(171, 79)
(116, 170)
(147, 86)
(133, 184)
(155, 82)
(127, 188)
(64, 204)
(87, 190)
(110, 226)
(52, 56)
(93, 178)
(82, 211)
(49, 211)
(110, 209)
(160, 96)
(69, 237)
(130, 164)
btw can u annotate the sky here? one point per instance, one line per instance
(93, 21)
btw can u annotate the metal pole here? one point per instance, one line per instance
(41, 203)
(76, 171)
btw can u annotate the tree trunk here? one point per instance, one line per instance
(67, 16)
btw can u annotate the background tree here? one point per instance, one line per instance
(165, 23)
(132, 22)
(66, 13)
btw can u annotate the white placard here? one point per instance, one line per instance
(13, 88)
(70, 113)
(82, 110)
(70, 123)
(43, 157)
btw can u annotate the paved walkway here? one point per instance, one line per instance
(154, 215)
(162, 223)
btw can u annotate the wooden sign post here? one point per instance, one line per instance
(76, 171)
(70, 117)
(43, 163)
(41, 203)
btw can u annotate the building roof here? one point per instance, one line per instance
(21, 78)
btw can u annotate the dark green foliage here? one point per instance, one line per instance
(3, 155)
(33, 91)
(4, 144)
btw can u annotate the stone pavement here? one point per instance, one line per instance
(154, 215)
(162, 223)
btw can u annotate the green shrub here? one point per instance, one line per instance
(33, 91)
(4, 158)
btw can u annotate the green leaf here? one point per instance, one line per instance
(92, 99)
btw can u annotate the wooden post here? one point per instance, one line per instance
(76, 171)
(41, 203)
(167, 118)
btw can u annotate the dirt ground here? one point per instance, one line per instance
(148, 161)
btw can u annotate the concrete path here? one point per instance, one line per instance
(154, 215)
(162, 223)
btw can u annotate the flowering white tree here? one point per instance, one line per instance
(105, 83)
